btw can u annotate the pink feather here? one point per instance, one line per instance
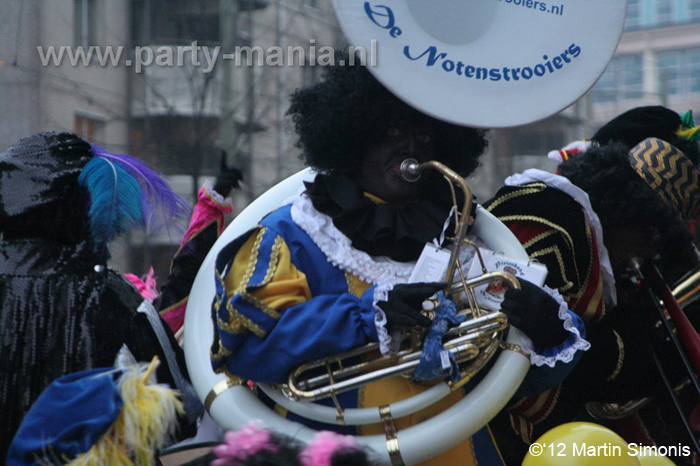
(145, 285)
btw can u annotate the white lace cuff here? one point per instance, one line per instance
(216, 197)
(564, 352)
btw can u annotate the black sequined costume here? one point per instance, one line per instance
(60, 313)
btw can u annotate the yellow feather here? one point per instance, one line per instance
(147, 420)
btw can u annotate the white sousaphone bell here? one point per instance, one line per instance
(489, 63)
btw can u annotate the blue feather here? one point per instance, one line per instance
(162, 208)
(115, 201)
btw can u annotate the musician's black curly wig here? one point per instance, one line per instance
(339, 118)
(621, 197)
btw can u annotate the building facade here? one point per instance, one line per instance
(657, 62)
(180, 116)
(183, 117)
(38, 94)
(132, 76)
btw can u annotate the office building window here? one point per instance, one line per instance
(668, 72)
(85, 22)
(634, 15)
(678, 71)
(694, 69)
(664, 11)
(88, 128)
(694, 10)
(622, 80)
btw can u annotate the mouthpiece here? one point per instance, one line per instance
(410, 170)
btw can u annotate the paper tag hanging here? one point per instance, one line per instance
(431, 265)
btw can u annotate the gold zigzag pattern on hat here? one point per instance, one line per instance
(669, 172)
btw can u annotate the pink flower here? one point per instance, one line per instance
(324, 445)
(239, 446)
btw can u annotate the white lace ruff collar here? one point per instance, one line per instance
(338, 248)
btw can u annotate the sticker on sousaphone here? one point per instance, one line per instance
(490, 296)
(486, 63)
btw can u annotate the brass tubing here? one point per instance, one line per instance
(493, 321)
(488, 278)
(688, 291)
(464, 348)
(465, 217)
(410, 362)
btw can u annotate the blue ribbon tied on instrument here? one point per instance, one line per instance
(435, 360)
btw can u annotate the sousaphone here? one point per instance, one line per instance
(457, 61)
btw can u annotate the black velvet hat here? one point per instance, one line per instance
(634, 126)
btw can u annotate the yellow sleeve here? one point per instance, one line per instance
(286, 288)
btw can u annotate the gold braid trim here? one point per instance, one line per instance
(472, 450)
(557, 253)
(556, 227)
(537, 406)
(552, 249)
(223, 352)
(552, 404)
(544, 221)
(620, 358)
(584, 287)
(496, 445)
(271, 268)
(250, 268)
(218, 356)
(173, 306)
(538, 238)
(533, 188)
(238, 320)
(590, 313)
(236, 323)
(517, 404)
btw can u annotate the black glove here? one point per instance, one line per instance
(405, 303)
(228, 177)
(622, 344)
(536, 313)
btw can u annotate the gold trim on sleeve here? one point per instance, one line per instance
(620, 358)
